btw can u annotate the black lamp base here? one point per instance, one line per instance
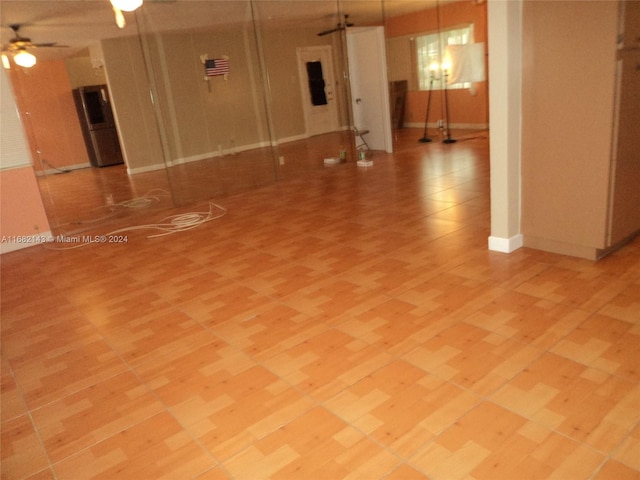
(424, 140)
(449, 140)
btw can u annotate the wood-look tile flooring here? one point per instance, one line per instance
(345, 324)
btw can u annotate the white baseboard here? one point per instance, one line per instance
(216, 154)
(148, 168)
(294, 138)
(219, 153)
(11, 243)
(505, 245)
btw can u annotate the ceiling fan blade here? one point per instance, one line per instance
(327, 32)
(341, 26)
(49, 44)
(22, 43)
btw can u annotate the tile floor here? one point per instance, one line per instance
(349, 324)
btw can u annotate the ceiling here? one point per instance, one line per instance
(79, 23)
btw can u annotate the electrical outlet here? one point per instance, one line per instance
(281, 160)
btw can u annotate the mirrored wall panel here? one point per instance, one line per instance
(192, 100)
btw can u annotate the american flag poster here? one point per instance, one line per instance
(215, 67)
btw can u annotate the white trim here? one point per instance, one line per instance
(220, 153)
(148, 168)
(209, 155)
(15, 166)
(27, 241)
(294, 138)
(505, 245)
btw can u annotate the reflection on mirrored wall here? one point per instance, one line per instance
(229, 93)
(209, 98)
(419, 49)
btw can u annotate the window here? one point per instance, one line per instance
(429, 54)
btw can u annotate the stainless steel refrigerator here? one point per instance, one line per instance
(97, 124)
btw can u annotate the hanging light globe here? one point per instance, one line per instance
(126, 5)
(24, 59)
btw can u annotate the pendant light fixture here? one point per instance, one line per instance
(24, 58)
(120, 6)
(126, 5)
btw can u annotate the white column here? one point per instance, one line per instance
(505, 113)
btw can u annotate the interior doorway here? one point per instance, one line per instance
(317, 84)
(369, 85)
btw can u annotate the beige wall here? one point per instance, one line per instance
(202, 118)
(568, 80)
(132, 107)
(82, 73)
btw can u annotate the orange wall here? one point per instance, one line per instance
(21, 207)
(464, 108)
(44, 91)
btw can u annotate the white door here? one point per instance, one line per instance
(369, 85)
(317, 83)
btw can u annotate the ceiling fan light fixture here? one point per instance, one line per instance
(24, 59)
(126, 5)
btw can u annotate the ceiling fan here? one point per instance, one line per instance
(18, 47)
(339, 27)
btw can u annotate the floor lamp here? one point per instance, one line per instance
(446, 110)
(424, 138)
(445, 78)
